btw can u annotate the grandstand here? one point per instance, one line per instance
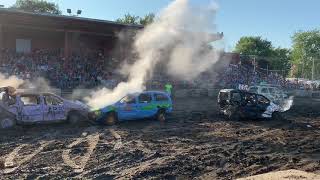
(75, 52)
(69, 51)
(25, 32)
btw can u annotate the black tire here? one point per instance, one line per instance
(7, 122)
(277, 116)
(74, 117)
(233, 114)
(111, 119)
(2, 164)
(161, 115)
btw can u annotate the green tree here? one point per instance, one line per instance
(37, 6)
(262, 49)
(256, 46)
(136, 20)
(280, 60)
(306, 47)
(129, 19)
(147, 19)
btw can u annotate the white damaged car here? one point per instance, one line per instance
(29, 108)
(238, 104)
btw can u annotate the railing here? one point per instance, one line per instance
(192, 93)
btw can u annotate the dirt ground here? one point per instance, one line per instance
(194, 143)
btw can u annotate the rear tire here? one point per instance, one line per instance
(161, 115)
(111, 119)
(74, 118)
(7, 123)
(277, 116)
(233, 114)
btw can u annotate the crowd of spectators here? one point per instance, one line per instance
(78, 70)
(234, 75)
(89, 69)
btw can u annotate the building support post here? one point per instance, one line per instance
(66, 44)
(1, 37)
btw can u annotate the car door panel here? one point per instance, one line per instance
(251, 109)
(54, 109)
(263, 103)
(32, 111)
(54, 112)
(147, 110)
(127, 108)
(127, 111)
(146, 105)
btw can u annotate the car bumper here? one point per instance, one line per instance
(97, 118)
(92, 116)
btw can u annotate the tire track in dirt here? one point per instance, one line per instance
(11, 165)
(118, 144)
(92, 141)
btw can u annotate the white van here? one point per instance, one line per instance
(273, 93)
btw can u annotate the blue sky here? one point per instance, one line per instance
(275, 20)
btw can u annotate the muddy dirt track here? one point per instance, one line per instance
(190, 145)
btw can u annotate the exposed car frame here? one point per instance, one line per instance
(238, 104)
(30, 108)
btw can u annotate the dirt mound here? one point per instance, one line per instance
(284, 175)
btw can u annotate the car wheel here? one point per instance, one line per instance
(74, 118)
(110, 119)
(161, 115)
(6, 123)
(233, 114)
(277, 116)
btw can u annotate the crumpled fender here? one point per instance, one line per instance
(271, 109)
(5, 112)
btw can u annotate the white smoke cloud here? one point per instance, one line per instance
(39, 84)
(287, 104)
(179, 38)
(12, 81)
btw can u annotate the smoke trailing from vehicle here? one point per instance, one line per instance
(179, 38)
(287, 104)
(37, 85)
(12, 81)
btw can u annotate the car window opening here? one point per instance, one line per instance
(129, 99)
(145, 98)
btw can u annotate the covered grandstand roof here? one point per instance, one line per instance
(59, 22)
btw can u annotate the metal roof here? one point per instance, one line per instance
(16, 11)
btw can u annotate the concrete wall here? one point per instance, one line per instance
(304, 93)
(184, 93)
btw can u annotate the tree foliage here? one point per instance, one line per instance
(255, 46)
(263, 51)
(147, 19)
(280, 60)
(37, 6)
(306, 47)
(129, 19)
(136, 20)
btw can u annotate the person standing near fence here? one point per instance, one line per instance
(168, 88)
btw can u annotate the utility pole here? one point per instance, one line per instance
(312, 68)
(254, 63)
(313, 48)
(303, 69)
